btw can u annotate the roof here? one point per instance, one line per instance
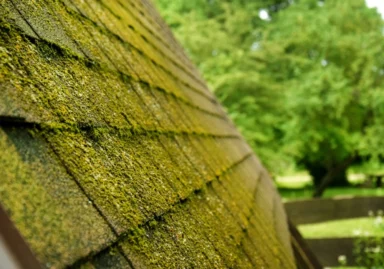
(116, 154)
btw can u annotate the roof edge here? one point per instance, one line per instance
(16, 252)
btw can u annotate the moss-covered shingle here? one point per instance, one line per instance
(50, 210)
(114, 154)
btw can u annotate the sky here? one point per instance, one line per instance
(379, 4)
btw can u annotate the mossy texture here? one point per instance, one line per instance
(56, 218)
(108, 258)
(113, 152)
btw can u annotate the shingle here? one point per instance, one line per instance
(172, 242)
(217, 224)
(45, 23)
(110, 258)
(192, 178)
(281, 220)
(192, 248)
(259, 232)
(118, 173)
(50, 210)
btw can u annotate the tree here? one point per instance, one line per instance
(221, 38)
(328, 57)
(305, 87)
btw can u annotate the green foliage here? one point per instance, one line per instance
(305, 85)
(221, 38)
(329, 59)
(368, 251)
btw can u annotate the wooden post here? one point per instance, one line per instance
(305, 258)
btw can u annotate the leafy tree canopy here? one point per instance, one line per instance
(328, 57)
(304, 86)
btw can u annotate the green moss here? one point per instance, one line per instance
(111, 14)
(60, 84)
(148, 251)
(110, 258)
(8, 11)
(45, 24)
(132, 129)
(84, 32)
(119, 175)
(173, 243)
(152, 224)
(237, 203)
(191, 177)
(220, 227)
(45, 204)
(201, 233)
(164, 163)
(195, 158)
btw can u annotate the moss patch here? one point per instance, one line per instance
(45, 204)
(131, 160)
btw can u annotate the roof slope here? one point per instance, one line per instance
(114, 152)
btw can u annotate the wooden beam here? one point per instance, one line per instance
(15, 253)
(305, 258)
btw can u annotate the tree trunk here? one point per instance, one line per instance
(318, 172)
(340, 179)
(337, 175)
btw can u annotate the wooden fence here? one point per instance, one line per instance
(327, 250)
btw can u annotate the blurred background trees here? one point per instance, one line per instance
(303, 80)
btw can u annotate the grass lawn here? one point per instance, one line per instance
(291, 194)
(347, 267)
(299, 186)
(343, 228)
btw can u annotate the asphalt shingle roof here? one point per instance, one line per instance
(114, 154)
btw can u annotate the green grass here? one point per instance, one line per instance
(299, 186)
(295, 181)
(343, 228)
(306, 193)
(347, 267)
